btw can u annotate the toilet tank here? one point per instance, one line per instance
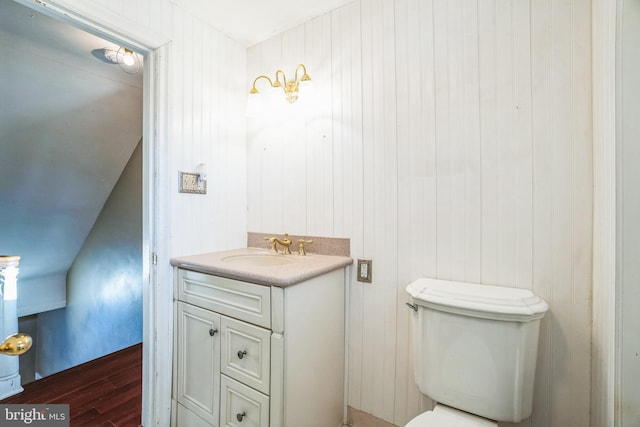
(475, 346)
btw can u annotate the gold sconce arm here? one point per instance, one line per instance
(277, 82)
(305, 77)
(16, 344)
(254, 89)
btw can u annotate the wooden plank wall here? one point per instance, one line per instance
(207, 98)
(447, 139)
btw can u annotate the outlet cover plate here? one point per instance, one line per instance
(363, 273)
(192, 183)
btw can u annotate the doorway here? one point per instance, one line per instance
(72, 151)
(95, 19)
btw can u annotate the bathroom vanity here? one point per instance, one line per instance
(258, 339)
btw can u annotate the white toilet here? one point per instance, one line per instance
(474, 351)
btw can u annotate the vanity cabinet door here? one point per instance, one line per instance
(186, 418)
(198, 364)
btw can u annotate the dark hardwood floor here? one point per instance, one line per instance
(103, 392)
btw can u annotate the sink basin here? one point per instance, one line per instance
(259, 260)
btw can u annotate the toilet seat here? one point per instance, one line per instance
(444, 416)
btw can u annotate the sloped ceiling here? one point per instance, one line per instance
(68, 124)
(252, 21)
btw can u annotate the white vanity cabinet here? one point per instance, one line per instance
(257, 355)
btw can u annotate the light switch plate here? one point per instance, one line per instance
(364, 270)
(192, 183)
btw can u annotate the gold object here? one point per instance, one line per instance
(290, 88)
(284, 243)
(15, 345)
(301, 243)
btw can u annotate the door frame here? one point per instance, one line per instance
(605, 363)
(157, 282)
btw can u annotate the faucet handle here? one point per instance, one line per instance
(301, 243)
(273, 243)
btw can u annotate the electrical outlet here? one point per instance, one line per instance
(192, 183)
(364, 270)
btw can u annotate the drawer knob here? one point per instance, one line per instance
(241, 354)
(212, 332)
(240, 417)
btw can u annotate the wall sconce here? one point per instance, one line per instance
(290, 88)
(128, 60)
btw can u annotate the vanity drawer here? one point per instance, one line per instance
(240, 300)
(242, 406)
(246, 353)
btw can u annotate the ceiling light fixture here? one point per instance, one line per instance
(290, 88)
(127, 59)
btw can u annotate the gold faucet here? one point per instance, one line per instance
(284, 243)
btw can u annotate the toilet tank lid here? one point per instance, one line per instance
(476, 300)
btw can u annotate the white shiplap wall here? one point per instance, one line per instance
(447, 139)
(207, 98)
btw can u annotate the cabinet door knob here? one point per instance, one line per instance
(241, 354)
(212, 331)
(239, 417)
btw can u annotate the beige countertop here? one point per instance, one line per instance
(296, 270)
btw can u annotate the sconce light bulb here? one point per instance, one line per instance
(128, 59)
(291, 97)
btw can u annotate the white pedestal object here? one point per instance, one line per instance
(9, 365)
